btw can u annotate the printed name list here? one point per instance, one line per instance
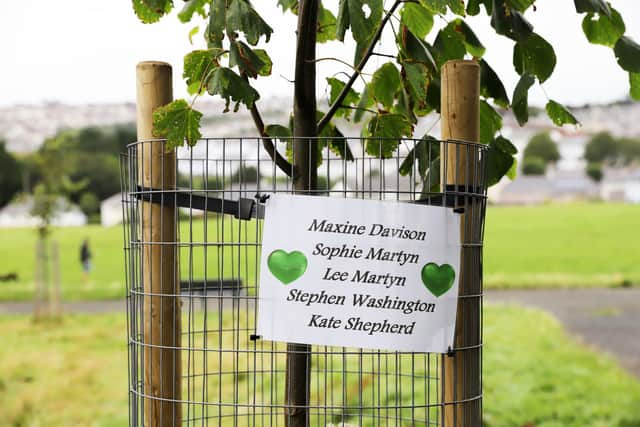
(359, 273)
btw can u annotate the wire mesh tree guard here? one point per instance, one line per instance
(192, 248)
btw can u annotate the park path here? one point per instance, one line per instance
(608, 319)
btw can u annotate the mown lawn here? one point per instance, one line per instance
(74, 373)
(107, 278)
(578, 245)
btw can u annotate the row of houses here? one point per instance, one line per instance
(555, 186)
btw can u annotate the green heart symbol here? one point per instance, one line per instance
(287, 267)
(438, 279)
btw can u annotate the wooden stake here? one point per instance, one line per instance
(38, 299)
(55, 266)
(460, 120)
(157, 170)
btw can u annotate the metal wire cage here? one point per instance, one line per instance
(193, 233)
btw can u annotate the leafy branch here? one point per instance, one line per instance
(400, 91)
(337, 103)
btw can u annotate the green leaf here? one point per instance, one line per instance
(342, 21)
(231, 87)
(326, 25)
(365, 102)
(352, 97)
(192, 33)
(423, 154)
(593, 6)
(448, 45)
(412, 49)
(197, 66)
(417, 18)
(404, 105)
(433, 94)
(351, 13)
(384, 132)
(361, 49)
(435, 6)
(416, 79)
(456, 6)
(504, 145)
(520, 5)
(534, 56)
(267, 64)
(247, 61)
(513, 170)
(490, 122)
(473, 7)
(634, 83)
(600, 29)
(559, 114)
(628, 53)
(150, 11)
(491, 86)
(499, 161)
(336, 141)
(384, 84)
(217, 19)
(471, 42)
(278, 131)
(241, 16)
(440, 6)
(192, 7)
(510, 23)
(339, 145)
(177, 122)
(521, 98)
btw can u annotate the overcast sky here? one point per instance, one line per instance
(81, 51)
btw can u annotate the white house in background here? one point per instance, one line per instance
(111, 210)
(18, 214)
(557, 185)
(618, 186)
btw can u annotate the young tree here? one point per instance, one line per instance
(395, 95)
(392, 98)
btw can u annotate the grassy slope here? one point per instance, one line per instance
(74, 373)
(562, 245)
(543, 246)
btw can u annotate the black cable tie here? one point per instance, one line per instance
(262, 198)
(451, 352)
(254, 337)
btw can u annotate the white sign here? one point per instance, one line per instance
(359, 273)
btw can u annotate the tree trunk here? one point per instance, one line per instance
(305, 157)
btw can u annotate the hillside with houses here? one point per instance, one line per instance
(24, 128)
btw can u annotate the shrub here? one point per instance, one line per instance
(533, 166)
(594, 171)
(543, 147)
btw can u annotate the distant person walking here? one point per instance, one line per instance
(85, 260)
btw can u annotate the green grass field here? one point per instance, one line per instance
(580, 245)
(577, 245)
(74, 373)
